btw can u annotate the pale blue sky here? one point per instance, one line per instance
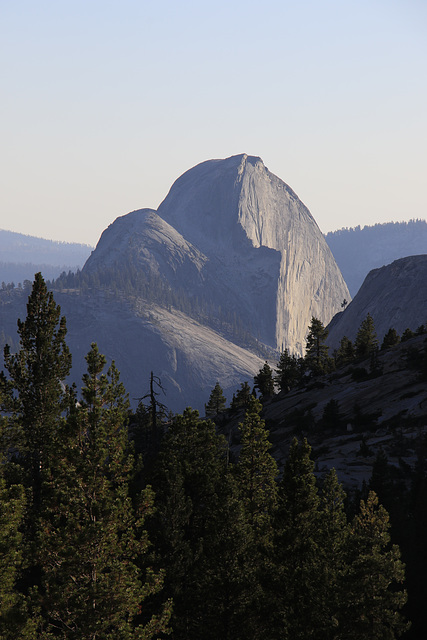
(105, 103)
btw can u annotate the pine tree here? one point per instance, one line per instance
(287, 372)
(345, 352)
(33, 396)
(297, 562)
(200, 531)
(15, 618)
(256, 474)
(370, 599)
(333, 531)
(93, 540)
(390, 339)
(316, 358)
(216, 403)
(35, 380)
(264, 381)
(366, 339)
(242, 397)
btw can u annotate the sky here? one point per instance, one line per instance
(104, 104)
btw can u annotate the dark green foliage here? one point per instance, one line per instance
(366, 338)
(390, 339)
(242, 397)
(345, 352)
(288, 371)
(216, 403)
(199, 531)
(296, 574)
(256, 474)
(90, 537)
(407, 335)
(35, 380)
(15, 618)
(316, 358)
(264, 381)
(84, 551)
(370, 607)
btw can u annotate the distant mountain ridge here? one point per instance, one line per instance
(21, 256)
(359, 250)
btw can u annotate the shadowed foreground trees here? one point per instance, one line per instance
(84, 551)
(74, 546)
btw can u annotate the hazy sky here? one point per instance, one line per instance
(105, 103)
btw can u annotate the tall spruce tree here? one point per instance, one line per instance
(93, 540)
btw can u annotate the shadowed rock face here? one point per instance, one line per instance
(395, 295)
(272, 260)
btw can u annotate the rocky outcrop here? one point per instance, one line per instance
(253, 228)
(394, 295)
(231, 266)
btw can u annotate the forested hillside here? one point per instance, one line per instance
(358, 250)
(22, 256)
(121, 524)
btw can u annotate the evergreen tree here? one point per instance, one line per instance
(242, 397)
(34, 388)
(407, 335)
(331, 418)
(15, 618)
(345, 352)
(256, 474)
(370, 601)
(333, 531)
(33, 396)
(92, 540)
(199, 531)
(297, 572)
(216, 403)
(264, 381)
(390, 339)
(287, 372)
(316, 358)
(366, 339)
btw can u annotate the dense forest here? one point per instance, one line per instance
(120, 524)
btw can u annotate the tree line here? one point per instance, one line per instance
(293, 371)
(100, 538)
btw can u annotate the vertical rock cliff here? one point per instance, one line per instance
(257, 234)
